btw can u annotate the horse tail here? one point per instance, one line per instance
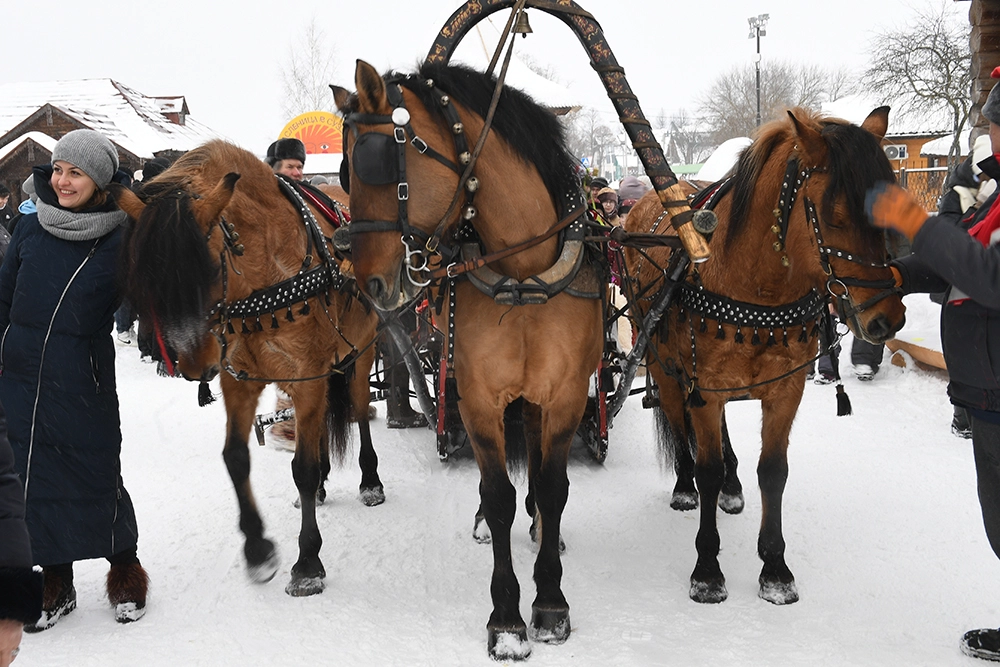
(672, 446)
(515, 439)
(338, 416)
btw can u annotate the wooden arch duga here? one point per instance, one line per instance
(591, 36)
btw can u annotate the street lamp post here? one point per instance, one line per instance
(758, 25)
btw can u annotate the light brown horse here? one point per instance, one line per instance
(792, 234)
(237, 279)
(538, 358)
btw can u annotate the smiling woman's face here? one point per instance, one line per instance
(73, 187)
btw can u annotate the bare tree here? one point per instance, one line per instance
(589, 136)
(307, 73)
(925, 68)
(688, 141)
(840, 82)
(730, 106)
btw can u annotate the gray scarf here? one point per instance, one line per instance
(72, 226)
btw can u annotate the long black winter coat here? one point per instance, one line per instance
(57, 383)
(945, 256)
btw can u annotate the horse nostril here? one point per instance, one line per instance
(878, 328)
(376, 288)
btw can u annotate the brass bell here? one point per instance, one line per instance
(775, 229)
(777, 246)
(235, 237)
(521, 26)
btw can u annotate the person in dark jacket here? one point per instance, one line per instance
(965, 264)
(58, 296)
(6, 209)
(20, 585)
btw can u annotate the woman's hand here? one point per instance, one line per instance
(891, 207)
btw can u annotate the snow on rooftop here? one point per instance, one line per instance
(855, 108)
(719, 163)
(40, 138)
(130, 119)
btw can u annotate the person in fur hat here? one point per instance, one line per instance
(288, 157)
(58, 295)
(962, 261)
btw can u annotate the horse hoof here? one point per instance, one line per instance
(300, 588)
(264, 569)
(550, 626)
(509, 644)
(778, 592)
(481, 532)
(682, 501)
(708, 592)
(373, 496)
(731, 503)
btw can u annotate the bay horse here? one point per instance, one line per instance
(792, 235)
(405, 146)
(233, 269)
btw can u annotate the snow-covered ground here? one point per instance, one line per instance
(881, 521)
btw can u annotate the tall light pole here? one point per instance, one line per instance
(758, 25)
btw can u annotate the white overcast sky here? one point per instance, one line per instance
(226, 57)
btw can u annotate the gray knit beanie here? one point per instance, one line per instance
(91, 151)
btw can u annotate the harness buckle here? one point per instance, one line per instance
(403, 191)
(400, 135)
(420, 145)
(447, 271)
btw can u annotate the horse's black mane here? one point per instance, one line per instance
(532, 131)
(855, 162)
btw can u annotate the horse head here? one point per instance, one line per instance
(394, 206)
(170, 273)
(804, 181)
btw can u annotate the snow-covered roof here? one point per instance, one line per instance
(941, 147)
(719, 163)
(855, 108)
(130, 119)
(40, 138)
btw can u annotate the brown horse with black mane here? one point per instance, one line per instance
(792, 236)
(513, 363)
(234, 270)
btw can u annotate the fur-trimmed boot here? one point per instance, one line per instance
(127, 587)
(58, 597)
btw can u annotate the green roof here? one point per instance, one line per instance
(687, 168)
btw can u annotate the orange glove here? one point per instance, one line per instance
(891, 207)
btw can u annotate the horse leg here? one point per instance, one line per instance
(507, 635)
(533, 432)
(708, 584)
(777, 584)
(555, 428)
(673, 427)
(731, 499)
(241, 405)
(372, 492)
(310, 436)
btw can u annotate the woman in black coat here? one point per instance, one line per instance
(58, 296)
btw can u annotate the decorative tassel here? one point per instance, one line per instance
(843, 402)
(784, 337)
(205, 396)
(274, 321)
(258, 326)
(243, 329)
(288, 315)
(229, 327)
(756, 337)
(815, 331)
(720, 333)
(802, 335)
(771, 342)
(451, 391)
(680, 316)
(695, 399)
(704, 326)
(739, 335)
(305, 308)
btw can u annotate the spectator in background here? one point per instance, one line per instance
(58, 292)
(6, 209)
(288, 157)
(631, 188)
(607, 199)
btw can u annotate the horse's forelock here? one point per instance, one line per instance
(748, 172)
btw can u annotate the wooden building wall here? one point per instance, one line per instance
(984, 42)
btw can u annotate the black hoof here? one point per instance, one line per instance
(684, 501)
(731, 503)
(262, 560)
(778, 592)
(508, 643)
(550, 626)
(709, 592)
(373, 496)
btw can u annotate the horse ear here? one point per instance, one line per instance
(810, 141)
(371, 88)
(210, 206)
(126, 200)
(877, 122)
(341, 97)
